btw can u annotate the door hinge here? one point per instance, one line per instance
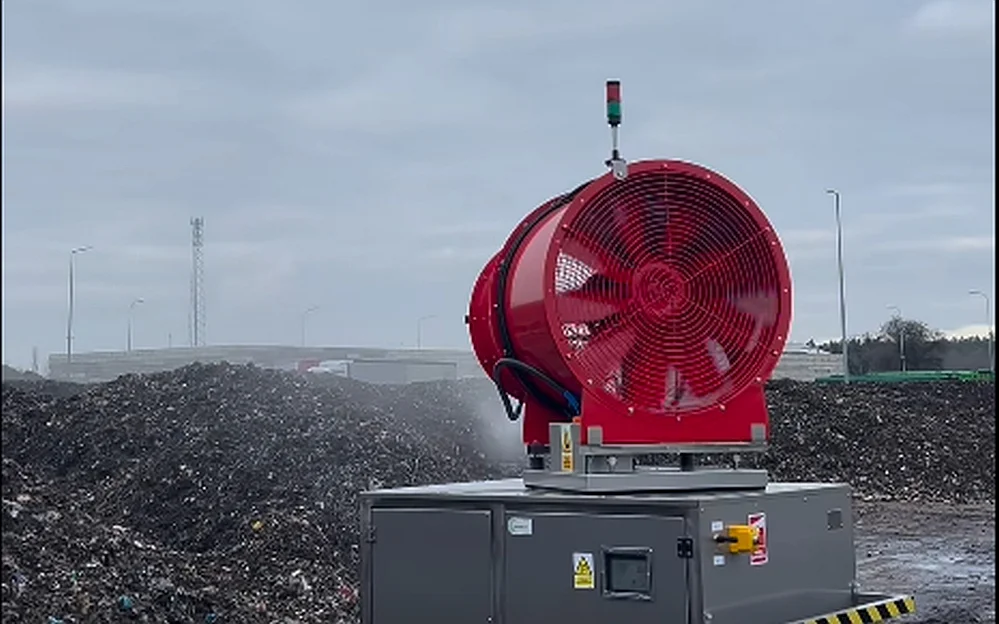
(370, 536)
(685, 548)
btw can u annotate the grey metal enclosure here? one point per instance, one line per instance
(499, 553)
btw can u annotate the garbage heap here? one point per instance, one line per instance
(913, 441)
(220, 493)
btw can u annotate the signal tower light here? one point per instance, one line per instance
(618, 165)
(614, 103)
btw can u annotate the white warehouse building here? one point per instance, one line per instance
(393, 366)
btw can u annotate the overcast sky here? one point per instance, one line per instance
(369, 157)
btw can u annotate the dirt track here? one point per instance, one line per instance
(943, 555)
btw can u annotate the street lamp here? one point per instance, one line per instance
(131, 312)
(988, 325)
(901, 334)
(842, 284)
(305, 316)
(419, 328)
(72, 301)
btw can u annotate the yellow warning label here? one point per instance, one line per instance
(567, 459)
(582, 571)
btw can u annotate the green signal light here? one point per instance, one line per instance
(614, 112)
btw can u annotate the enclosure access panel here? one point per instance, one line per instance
(496, 552)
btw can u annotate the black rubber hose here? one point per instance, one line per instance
(501, 283)
(571, 407)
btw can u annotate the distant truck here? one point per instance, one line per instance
(340, 368)
(383, 371)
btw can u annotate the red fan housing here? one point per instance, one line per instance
(658, 305)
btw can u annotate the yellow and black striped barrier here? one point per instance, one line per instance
(872, 612)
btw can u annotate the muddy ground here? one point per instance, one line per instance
(944, 555)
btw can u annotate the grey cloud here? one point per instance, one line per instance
(369, 158)
(965, 19)
(44, 89)
(949, 244)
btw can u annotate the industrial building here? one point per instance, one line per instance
(363, 363)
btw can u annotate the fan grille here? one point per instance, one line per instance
(667, 291)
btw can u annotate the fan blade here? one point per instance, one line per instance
(613, 239)
(717, 318)
(645, 371)
(605, 324)
(656, 224)
(708, 265)
(699, 370)
(696, 217)
(762, 306)
(735, 336)
(641, 226)
(629, 227)
(688, 227)
(600, 255)
(604, 350)
(744, 317)
(600, 288)
(586, 311)
(589, 329)
(759, 311)
(614, 232)
(615, 339)
(733, 257)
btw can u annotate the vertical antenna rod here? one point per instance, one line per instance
(842, 285)
(197, 282)
(72, 303)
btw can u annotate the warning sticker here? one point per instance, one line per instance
(759, 522)
(582, 571)
(567, 459)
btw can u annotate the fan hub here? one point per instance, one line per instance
(661, 290)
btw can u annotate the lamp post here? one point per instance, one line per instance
(901, 334)
(419, 328)
(988, 325)
(131, 312)
(842, 283)
(305, 318)
(72, 301)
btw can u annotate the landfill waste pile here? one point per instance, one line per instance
(240, 484)
(925, 441)
(219, 493)
(916, 441)
(37, 384)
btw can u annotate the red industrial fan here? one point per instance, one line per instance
(652, 302)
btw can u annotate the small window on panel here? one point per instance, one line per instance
(628, 573)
